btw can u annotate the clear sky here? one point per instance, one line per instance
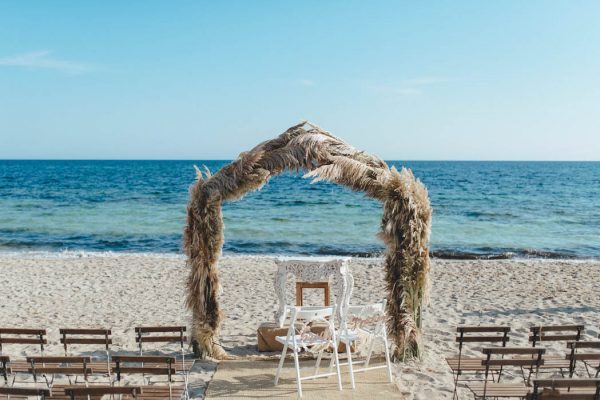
(499, 80)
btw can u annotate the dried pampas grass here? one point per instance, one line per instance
(405, 225)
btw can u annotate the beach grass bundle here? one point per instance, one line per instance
(405, 226)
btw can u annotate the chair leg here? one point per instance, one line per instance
(318, 362)
(283, 353)
(297, 364)
(349, 354)
(337, 363)
(387, 358)
(185, 375)
(332, 361)
(370, 351)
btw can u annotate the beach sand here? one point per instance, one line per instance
(123, 291)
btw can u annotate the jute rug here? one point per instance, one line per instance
(254, 380)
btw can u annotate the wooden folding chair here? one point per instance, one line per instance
(565, 389)
(555, 333)
(298, 342)
(166, 334)
(496, 357)
(150, 366)
(86, 336)
(590, 356)
(472, 365)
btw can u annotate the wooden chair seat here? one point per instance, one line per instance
(98, 367)
(187, 365)
(567, 389)
(101, 367)
(563, 394)
(22, 366)
(555, 362)
(156, 392)
(518, 390)
(469, 364)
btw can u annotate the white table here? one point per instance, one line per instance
(314, 269)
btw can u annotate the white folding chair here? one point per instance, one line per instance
(298, 341)
(365, 321)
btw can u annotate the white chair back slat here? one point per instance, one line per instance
(314, 313)
(365, 311)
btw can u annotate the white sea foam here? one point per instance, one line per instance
(70, 254)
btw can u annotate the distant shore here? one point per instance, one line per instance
(123, 290)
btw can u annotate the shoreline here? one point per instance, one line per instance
(74, 254)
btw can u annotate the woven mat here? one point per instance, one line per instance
(254, 380)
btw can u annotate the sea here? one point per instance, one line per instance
(480, 210)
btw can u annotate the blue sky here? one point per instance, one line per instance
(499, 80)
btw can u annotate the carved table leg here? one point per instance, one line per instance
(280, 290)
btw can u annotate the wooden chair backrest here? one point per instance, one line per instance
(554, 386)
(169, 334)
(554, 333)
(24, 391)
(159, 365)
(23, 336)
(98, 391)
(481, 334)
(99, 336)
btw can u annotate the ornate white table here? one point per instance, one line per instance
(313, 269)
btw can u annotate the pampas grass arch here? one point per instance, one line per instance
(405, 225)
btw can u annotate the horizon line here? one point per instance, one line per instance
(233, 159)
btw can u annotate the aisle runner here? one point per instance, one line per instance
(254, 379)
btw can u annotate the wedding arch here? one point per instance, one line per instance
(404, 229)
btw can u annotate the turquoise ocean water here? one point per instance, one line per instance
(481, 209)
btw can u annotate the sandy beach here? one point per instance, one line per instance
(122, 291)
